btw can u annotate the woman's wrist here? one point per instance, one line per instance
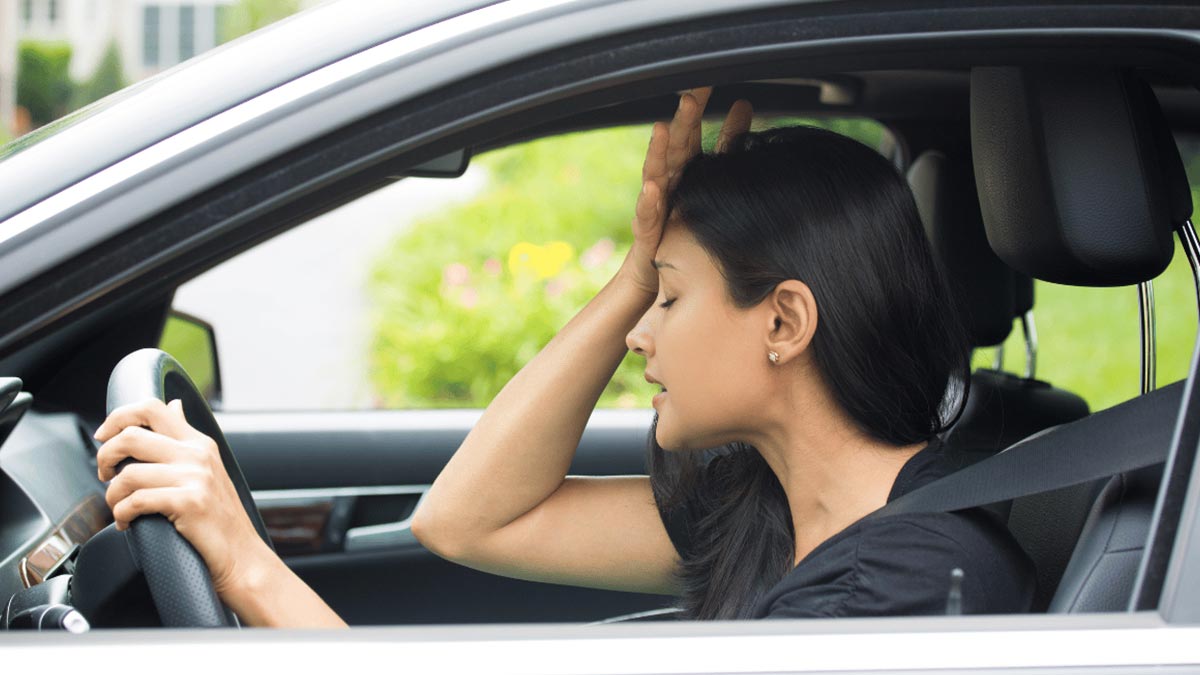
(269, 594)
(250, 578)
(638, 277)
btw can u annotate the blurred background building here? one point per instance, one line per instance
(59, 55)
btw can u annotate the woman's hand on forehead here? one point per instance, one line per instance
(671, 146)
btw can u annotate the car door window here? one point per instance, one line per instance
(432, 293)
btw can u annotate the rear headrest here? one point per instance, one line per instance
(945, 193)
(1071, 186)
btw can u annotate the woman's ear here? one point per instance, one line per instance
(793, 316)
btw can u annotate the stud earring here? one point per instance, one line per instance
(773, 357)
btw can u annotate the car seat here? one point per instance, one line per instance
(1080, 184)
(1001, 408)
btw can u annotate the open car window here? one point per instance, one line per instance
(434, 292)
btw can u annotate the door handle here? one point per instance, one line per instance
(322, 520)
(385, 535)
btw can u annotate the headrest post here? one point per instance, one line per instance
(1146, 309)
(1031, 344)
(1191, 249)
(998, 363)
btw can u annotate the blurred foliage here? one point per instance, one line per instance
(247, 16)
(464, 298)
(43, 80)
(108, 77)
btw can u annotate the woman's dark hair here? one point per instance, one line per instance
(809, 204)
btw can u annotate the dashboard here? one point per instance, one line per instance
(51, 500)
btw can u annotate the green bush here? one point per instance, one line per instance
(43, 81)
(109, 77)
(464, 298)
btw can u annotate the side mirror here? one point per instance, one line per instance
(193, 343)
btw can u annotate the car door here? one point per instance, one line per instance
(354, 353)
(337, 490)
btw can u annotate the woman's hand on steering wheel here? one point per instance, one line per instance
(179, 474)
(671, 146)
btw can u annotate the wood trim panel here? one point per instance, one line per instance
(297, 527)
(91, 516)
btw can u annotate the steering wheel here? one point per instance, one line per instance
(180, 584)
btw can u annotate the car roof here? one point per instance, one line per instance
(149, 111)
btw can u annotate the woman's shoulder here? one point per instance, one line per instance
(901, 565)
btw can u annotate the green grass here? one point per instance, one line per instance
(1089, 338)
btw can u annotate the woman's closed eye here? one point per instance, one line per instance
(666, 304)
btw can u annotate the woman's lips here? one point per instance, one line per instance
(658, 398)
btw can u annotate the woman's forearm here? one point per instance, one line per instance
(519, 452)
(273, 596)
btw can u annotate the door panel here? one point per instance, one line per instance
(338, 489)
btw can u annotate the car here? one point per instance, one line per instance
(108, 213)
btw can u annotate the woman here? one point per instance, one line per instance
(785, 299)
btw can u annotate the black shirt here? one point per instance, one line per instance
(896, 565)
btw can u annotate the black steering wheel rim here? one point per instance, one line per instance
(179, 581)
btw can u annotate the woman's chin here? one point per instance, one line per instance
(664, 441)
(668, 441)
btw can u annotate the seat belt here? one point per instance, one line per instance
(1133, 435)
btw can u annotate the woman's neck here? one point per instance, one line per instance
(832, 472)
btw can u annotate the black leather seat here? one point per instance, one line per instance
(1001, 408)
(1105, 219)
(1101, 573)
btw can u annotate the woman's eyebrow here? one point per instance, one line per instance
(659, 264)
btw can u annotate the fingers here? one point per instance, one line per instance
(648, 211)
(146, 476)
(140, 444)
(701, 94)
(655, 166)
(170, 501)
(736, 122)
(684, 133)
(152, 414)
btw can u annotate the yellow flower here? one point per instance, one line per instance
(541, 262)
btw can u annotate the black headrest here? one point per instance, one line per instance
(1071, 185)
(1022, 293)
(1179, 191)
(945, 193)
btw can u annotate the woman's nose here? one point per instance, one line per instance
(639, 339)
